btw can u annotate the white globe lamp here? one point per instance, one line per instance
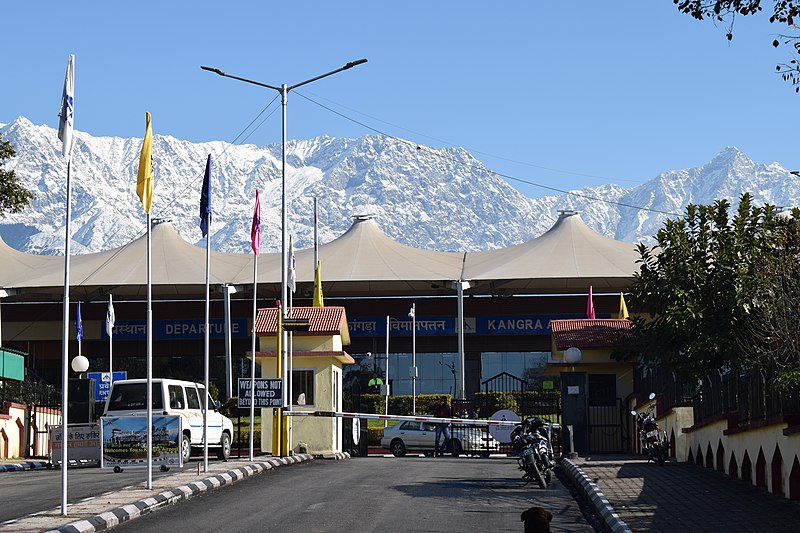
(80, 364)
(572, 355)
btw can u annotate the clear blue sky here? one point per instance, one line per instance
(566, 94)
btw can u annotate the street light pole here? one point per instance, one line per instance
(284, 91)
(413, 314)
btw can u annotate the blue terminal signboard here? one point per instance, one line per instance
(176, 329)
(446, 325)
(102, 383)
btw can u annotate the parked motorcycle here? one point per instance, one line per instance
(653, 442)
(531, 442)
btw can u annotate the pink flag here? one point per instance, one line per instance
(255, 229)
(590, 305)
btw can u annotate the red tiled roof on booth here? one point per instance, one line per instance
(321, 321)
(587, 333)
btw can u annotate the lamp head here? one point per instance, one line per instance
(212, 69)
(355, 63)
(572, 355)
(80, 364)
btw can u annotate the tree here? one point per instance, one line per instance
(712, 283)
(773, 333)
(13, 196)
(725, 11)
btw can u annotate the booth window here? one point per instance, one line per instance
(602, 389)
(302, 387)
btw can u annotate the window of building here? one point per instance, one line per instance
(437, 373)
(303, 387)
(526, 366)
(602, 389)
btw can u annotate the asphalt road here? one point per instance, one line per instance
(30, 491)
(372, 494)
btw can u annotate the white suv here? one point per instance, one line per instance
(128, 397)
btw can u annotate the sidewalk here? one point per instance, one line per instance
(683, 497)
(101, 513)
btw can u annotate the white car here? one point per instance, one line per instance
(420, 436)
(128, 397)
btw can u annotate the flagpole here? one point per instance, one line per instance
(110, 331)
(65, 134)
(205, 228)
(149, 357)
(253, 357)
(65, 352)
(316, 235)
(144, 190)
(206, 347)
(255, 239)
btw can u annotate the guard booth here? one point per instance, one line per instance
(593, 384)
(316, 360)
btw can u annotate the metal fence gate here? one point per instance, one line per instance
(607, 428)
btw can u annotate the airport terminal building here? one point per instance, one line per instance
(505, 299)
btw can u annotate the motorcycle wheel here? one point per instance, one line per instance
(537, 475)
(548, 476)
(661, 455)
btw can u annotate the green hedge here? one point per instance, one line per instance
(401, 405)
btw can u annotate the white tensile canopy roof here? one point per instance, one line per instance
(17, 266)
(177, 267)
(366, 261)
(568, 258)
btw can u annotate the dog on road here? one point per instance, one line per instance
(537, 520)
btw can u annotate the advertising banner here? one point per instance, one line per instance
(83, 443)
(124, 440)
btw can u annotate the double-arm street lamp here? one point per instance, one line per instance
(284, 90)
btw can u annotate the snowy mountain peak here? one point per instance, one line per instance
(436, 198)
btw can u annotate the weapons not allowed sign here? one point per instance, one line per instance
(268, 392)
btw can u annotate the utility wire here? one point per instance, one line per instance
(481, 167)
(471, 150)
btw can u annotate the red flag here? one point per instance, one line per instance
(255, 229)
(590, 305)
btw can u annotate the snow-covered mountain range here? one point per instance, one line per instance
(439, 199)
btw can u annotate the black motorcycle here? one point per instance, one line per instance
(653, 442)
(531, 443)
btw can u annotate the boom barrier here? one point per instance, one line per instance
(432, 419)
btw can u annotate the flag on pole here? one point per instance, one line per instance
(318, 300)
(67, 113)
(623, 309)
(145, 178)
(78, 324)
(590, 305)
(205, 199)
(255, 229)
(292, 283)
(110, 318)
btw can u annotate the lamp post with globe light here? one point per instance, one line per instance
(413, 371)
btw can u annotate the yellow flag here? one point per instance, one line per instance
(623, 309)
(144, 182)
(318, 301)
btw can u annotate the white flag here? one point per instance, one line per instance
(67, 114)
(110, 318)
(292, 283)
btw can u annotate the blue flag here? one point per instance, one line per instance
(78, 324)
(205, 199)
